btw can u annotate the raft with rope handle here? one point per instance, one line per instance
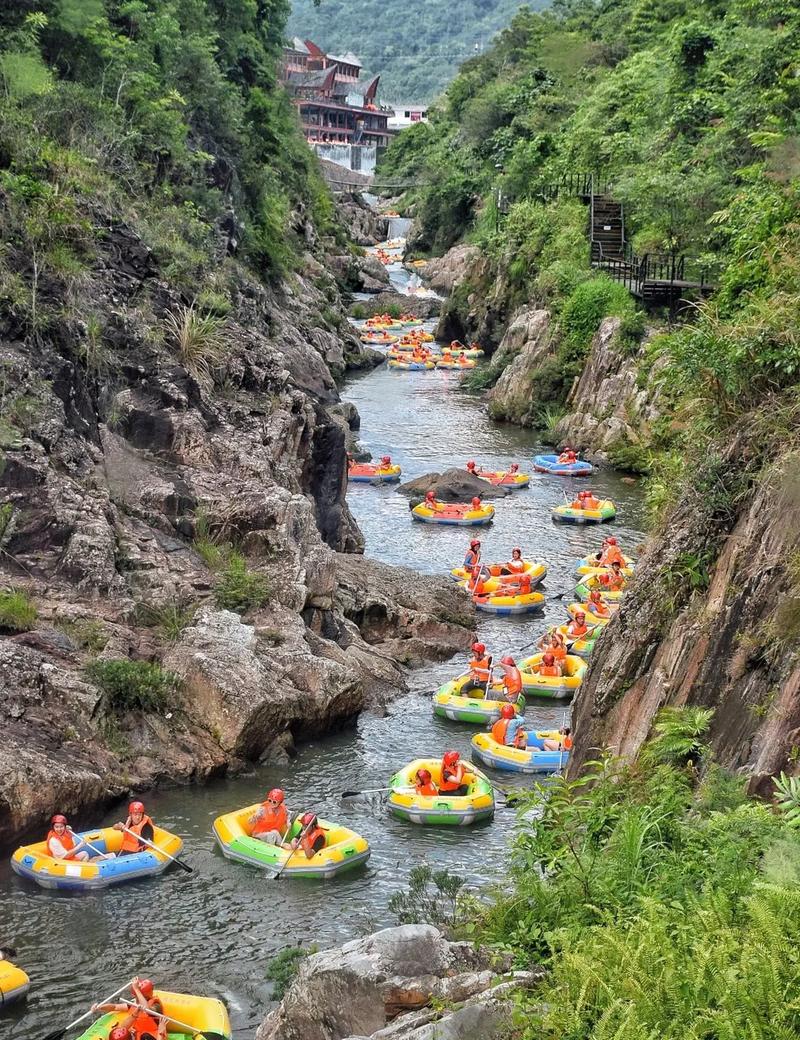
(458, 514)
(14, 983)
(566, 514)
(206, 1016)
(534, 569)
(450, 702)
(550, 464)
(533, 759)
(556, 686)
(441, 810)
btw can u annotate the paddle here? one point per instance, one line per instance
(88, 844)
(156, 848)
(503, 790)
(375, 790)
(191, 1030)
(300, 837)
(58, 1033)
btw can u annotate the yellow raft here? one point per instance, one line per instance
(204, 1017)
(533, 759)
(14, 983)
(536, 570)
(456, 514)
(445, 362)
(441, 809)
(556, 686)
(343, 851)
(593, 581)
(504, 606)
(450, 702)
(411, 366)
(591, 619)
(579, 647)
(567, 514)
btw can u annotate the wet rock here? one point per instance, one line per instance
(390, 979)
(445, 273)
(361, 273)
(454, 485)
(420, 307)
(526, 345)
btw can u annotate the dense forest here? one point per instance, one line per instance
(414, 45)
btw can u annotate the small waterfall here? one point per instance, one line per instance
(358, 157)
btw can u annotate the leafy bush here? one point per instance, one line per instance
(282, 969)
(586, 307)
(431, 897)
(240, 589)
(679, 733)
(17, 611)
(130, 685)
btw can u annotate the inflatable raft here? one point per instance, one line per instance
(567, 515)
(580, 647)
(590, 583)
(378, 339)
(344, 849)
(445, 362)
(591, 619)
(589, 565)
(532, 759)
(439, 810)
(459, 514)
(412, 366)
(496, 603)
(510, 479)
(367, 472)
(536, 570)
(450, 703)
(14, 983)
(555, 686)
(33, 862)
(204, 1016)
(550, 464)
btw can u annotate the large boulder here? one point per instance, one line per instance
(359, 989)
(419, 306)
(454, 485)
(526, 345)
(445, 273)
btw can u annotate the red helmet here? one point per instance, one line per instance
(475, 543)
(386, 459)
(595, 595)
(508, 659)
(58, 818)
(580, 615)
(423, 776)
(508, 711)
(604, 579)
(430, 495)
(611, 540)
(308, 819)
(582, 494)
(471, 464)
(548, 658)
(146, 988)
(275, 795)
(119, 1033)
(135, 807)
(476, 502)
(516, 550)
(514, 467)
(450, 758)
(479, 648)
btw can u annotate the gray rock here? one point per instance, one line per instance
(446, 273)
(527, 343)
(454, 485)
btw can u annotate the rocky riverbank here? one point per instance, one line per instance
(405, 983)
(176, 497)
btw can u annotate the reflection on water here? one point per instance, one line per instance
(214, 931)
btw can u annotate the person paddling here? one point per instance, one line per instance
(512, 679)
(598, 605)
(577, 628)
(472, 557)
(270, 822)
(453, 773)
(480, 666)
(507, 730)
(548, 666)
(60, 842)
(312, 837)
(568, 457)
(139, 1024)
(616, 579)
(142, 827)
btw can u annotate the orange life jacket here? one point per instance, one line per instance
(567, 456)
(427, 790)
(549, 669)
(512, 680)
(66, 840)
(599, 609)
(129, 843)
(478, 588)
(610, 554)
(272, 818)
(144, 1025)
(479, 667)
(448, 784)
(575, 630)
(566, 743)
(590, 502)
(307, 841)
(558, 651)
(471, 558)
(616, 582)
(576, 504)
(516, 566)
(499, 730)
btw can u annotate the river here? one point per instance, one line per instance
(215, 930)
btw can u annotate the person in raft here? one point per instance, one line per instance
(424, 785)
(516, 565)
(508, 729)
(563, 743)
(512, 679)
(139, 1024)
(473, 555)
(518, 585)
(60, 842)
(137, 826)
(270, 822)
(611, 553)
(589, 501)
(553, 642)
(616, 580)
(577, 628)
(430, 501)
(311, 838)
(386, 461)
(598, 605)
(477, 583)
(568, 456)
(453, 775)
(480, 667)
(548, 666)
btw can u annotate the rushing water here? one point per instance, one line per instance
(214, 931)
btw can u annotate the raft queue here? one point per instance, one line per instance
(430, 791)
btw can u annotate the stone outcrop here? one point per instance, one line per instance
(454, 485)
(136, 478)
(446, 273)
(364, 226)
(732, 645)
(614, 402)
(526, 345)
(420, 307)
(391, 986)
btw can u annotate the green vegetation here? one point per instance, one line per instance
(170, 619)
(240, 589)
(17, 611)
(432, 897)
(130, 685)
(284, 966)
(414, 66)
(197, 337)
(661, 898)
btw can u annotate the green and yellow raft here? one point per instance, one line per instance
(439, 810)
(204, 1017)
(450, 703)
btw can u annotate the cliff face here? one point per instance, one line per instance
(136, 459)
(732, 644)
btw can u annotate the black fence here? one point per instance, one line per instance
(574, 185)
(652, 274)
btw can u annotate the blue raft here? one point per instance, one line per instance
(550, 464)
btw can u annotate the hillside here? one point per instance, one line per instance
(415, 65)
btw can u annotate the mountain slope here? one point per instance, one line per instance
(416, 65)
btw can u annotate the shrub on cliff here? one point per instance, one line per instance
(240, 589)
(17, 611)
(130, 685)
